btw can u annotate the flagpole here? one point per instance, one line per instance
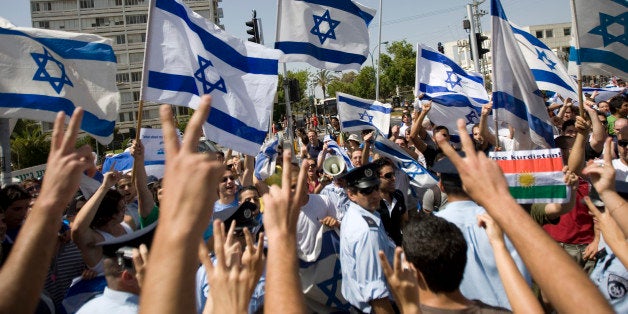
(379, 52)
(5, 152)
(577, 48)
(286, 92)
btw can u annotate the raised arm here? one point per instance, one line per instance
(417, 132)
(598, 134)
(484, 131)
(518, 292)
(576, 157)
(366, 150)
(249, 169)
(283, 287)
(613, 236)
(550, 266)
(145, 200)
(23, 274)
(184, 215)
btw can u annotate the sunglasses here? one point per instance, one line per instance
(622, 143)
(224, 179)
(389, 175)
(369, 190)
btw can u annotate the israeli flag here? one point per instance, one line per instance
(44, 72)
(266, 159)
(356, 114)
(340, 152)
(604, 93)
(188, 56)
(548, 71)
(455, 93)
(419, 176)
(601, 43)
(327, 34)
(516, 96)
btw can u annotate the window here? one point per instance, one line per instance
(133, 2)
(150, 114)
(122, 58)
(41, 6)
(122, 77)
(85, 4)
(136, 38)
(118, 2)
(539, 34)
(136, 19)
(567, 31)
(44, 24)
(136, 57)
(136, 76)
(136, 96)
(549, 33)
(126, 97)
(126, 116)
(120, 39)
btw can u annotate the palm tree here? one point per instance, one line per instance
(322, 78)
(29, 145)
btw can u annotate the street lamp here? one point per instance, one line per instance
(377, 71)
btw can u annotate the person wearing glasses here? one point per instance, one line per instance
(392, 207)
(621, 163)
(362, 236)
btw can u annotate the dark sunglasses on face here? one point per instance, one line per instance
(389, 175)
(622, 143)
(224, 179)
(369, 190)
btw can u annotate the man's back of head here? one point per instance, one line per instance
(437, 250)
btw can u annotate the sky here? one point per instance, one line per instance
(416, 21)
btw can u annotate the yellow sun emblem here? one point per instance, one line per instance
(526, 179)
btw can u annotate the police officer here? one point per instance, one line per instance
(362, 236)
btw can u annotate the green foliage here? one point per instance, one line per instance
(322, 78)
(29, 145)
(280, 108)
(343, 84)
(398, 70)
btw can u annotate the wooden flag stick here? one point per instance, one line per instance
(140, 109)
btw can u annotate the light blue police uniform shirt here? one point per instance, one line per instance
(362, 236)
(480, 280)
(611, 278)
(338, 197)
(112, 301)
(202, 289)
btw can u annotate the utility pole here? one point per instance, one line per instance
(476, 16)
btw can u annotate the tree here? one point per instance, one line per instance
(398, 69)
(29, 145)
(343, 84)
(280, 108)
(322, 78)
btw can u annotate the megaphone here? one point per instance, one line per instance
(334, 165)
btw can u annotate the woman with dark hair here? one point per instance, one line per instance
(100, 219)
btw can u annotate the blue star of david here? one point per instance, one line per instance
(316, 30)
(606, 21)
(366, 114)
(330, 292)
(453, 79)
(472, 117)
(42, 73)
(541, 55)
(208, 87)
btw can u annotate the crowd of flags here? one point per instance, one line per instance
(188, 56)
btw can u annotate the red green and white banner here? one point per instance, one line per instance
(534, 176)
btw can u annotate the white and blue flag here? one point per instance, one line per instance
(340, 152)
(419, 176)
(187, 56)
(548, 71)
(516, 97)
(603, 93)
(266, 159)
(328, 34)
(356, 114)
(455, 93)
(601, 41)
(45, 71)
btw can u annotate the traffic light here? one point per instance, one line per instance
(254, 30)
(294, 90)
(479, 39)
(440, 48)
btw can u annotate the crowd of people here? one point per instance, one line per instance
(210, 237)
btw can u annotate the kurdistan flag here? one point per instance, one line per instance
(534, 176)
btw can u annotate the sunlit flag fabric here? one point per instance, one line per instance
(266, 159)
(419, 176)
(43, 72)
(340, 152)
(328, 34)
(516, 96)
(602, 38)
(188, 56)
(455, 93)
(356, 114)
(548, 71)
(534, 176)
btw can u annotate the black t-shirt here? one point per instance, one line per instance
(392, 220)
